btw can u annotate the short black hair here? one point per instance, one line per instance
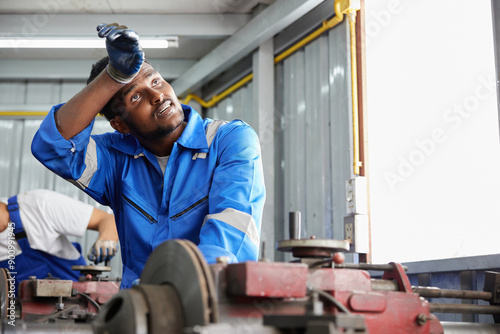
(109, 111)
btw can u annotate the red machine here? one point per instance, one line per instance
(52, 300)
(180, 293)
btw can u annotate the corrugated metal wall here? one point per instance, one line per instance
(19, 170)
(313, 159)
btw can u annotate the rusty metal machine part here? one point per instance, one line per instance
(51, 299)
(180, 264)
(153, 309)
(176, 292)
(266, 298)
(309, 248)
(94, 273)
(313, 248)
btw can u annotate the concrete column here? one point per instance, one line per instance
(263, 103)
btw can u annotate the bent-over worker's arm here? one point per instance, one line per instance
(104, 223)
(106, 245)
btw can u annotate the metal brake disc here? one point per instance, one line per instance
(180, 264)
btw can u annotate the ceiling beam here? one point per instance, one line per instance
(76, 69)
(264, 26)
(44, 24)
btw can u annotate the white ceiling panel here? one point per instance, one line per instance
(231, 28)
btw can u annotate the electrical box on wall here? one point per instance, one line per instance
(357, 196)
(356, 231)
(356, 227)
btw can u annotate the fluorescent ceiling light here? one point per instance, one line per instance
(95, 43)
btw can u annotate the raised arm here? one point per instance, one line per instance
(81, 109)
(125, 60)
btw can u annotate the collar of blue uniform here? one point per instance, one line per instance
(193, 136)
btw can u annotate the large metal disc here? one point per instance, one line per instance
(180, 264)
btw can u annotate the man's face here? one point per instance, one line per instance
(148, 105)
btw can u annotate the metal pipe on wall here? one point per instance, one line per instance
(327, 24)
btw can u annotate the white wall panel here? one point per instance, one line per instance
(12, 92)
(43, 93)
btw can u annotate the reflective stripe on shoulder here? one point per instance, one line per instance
(91, 166)
(210, 132)
(240, 220)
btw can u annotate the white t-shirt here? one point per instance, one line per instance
(163, 162)
(48, 217)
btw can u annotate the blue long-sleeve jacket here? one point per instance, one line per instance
(212, 192)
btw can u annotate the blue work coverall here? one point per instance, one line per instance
(212, 192)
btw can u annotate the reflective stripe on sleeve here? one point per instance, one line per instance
(240, 220)
(91, 166)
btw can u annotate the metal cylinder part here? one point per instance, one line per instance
(464, 308)
(384, 285)
(294, 224)
(430, 292)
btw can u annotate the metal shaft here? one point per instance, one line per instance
(367, 266)
(464, 308)
(294, 224)
(443, 293)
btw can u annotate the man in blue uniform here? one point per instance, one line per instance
(165, 172)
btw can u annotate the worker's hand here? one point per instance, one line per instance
(102, 250)
(125, 53)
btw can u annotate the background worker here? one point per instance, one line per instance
(34, 226)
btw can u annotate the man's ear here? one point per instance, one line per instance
(119, 125)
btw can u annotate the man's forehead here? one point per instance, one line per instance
(145, 72)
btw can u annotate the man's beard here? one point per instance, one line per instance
(159, 133)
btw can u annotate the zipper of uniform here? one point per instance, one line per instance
(189, 208)
(148, 216)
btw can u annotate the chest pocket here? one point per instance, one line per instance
(187, 221)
